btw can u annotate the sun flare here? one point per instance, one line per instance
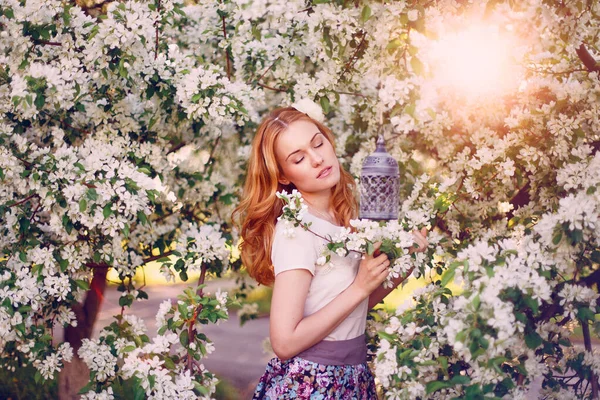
(476, 62)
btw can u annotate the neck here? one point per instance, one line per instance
(318, 201)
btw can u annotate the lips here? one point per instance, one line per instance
(324, 172)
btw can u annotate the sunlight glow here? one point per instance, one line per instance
(475, 62)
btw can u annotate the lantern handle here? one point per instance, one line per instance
(380, 143)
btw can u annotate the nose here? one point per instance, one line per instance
(317, 160)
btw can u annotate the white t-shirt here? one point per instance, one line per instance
(301, 252)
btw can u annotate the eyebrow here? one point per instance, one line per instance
(294, 152)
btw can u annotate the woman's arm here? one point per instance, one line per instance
(291, 332)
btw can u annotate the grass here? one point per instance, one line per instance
(260, 295)
(19, 385)
(226, 391)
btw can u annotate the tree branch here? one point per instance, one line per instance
(272, 88)
(588, 347)
(588, 60)
(145, 261)
(212, 153)
(175, 148)
(266, 71)
(226, 51)
(156, 26)
(352, 94)
(353, 59)
(46, 42)
(23, 201)
(192, 321)
(87, 312)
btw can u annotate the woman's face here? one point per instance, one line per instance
(306, 158)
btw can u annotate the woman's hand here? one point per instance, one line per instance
(372, 271)
(421, 240)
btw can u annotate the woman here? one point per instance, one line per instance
(318, 312)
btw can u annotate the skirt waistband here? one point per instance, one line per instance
(337, 352)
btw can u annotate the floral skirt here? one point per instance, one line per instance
(298, 378)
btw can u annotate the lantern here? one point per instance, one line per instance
(379, 185)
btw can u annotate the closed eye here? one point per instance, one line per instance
(319, 145)
(298, 162)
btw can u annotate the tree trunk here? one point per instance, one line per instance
(72, 378)
(75, 374)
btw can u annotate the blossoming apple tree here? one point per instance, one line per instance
(125, 128)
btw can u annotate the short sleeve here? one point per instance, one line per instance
(293, 251)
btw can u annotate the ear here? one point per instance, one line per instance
(284, 181)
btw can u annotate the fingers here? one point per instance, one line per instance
(377, 245)
(381, 271)
(380, 258)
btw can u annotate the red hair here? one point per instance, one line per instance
(259, 207)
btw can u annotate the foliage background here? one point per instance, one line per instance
(125, 128)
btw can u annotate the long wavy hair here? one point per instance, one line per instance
(259, 208)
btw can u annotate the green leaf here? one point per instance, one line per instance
(370, 248)
(533, 340)
(138, 392)
(40, 100)
(183, 275)
(125, 301)
(435, 386)
(576, 236)
(365, 14)
(169, 363)
(556, 238)
(417, 66)
(24, 309)
(142, 217)
(9, 13)
(37, 377)
(385, 336)
(92, 194)
(443, 362)
(107, 210)
(585, 314)
(394, 44)
(183, 338)
(201, 389)
(82, 205)
(183, 310)
(460, 380)
(325, 104)
(448, 277)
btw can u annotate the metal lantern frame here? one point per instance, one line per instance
(380, 185)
